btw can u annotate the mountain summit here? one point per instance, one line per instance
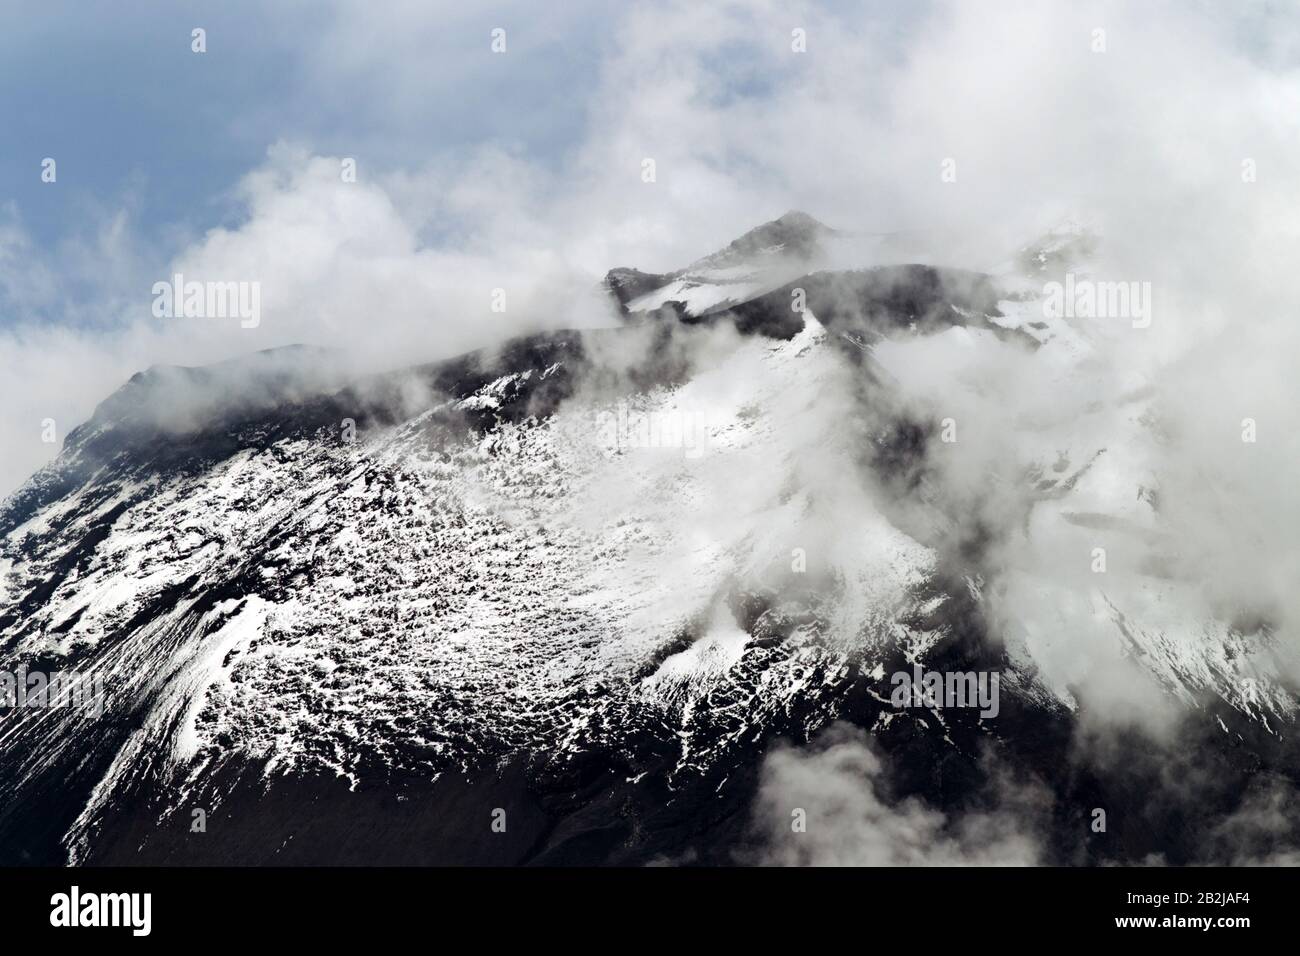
(590, 578)
(761, 259)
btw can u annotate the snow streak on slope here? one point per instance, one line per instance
(423, 599)
(557, 551)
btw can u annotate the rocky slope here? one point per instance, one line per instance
(589, 579)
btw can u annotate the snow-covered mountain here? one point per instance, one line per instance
(591, 578)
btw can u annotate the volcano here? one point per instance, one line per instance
(565, 600)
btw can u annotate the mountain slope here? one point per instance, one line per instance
(589, 579)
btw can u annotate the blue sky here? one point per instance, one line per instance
(152, 140)
(137, 121)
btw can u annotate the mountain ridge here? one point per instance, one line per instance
(515, 587)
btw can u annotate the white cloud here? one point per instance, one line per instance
(831, 805)
(1146, 138)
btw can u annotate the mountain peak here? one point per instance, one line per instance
(798, 219)
(795, 234)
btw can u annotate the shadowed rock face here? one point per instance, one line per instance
(788, 246)
(628, 284)
(356, 652)
(869, 304)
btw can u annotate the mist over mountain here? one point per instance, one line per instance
(647, 590)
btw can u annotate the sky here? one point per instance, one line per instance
(522, 169)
